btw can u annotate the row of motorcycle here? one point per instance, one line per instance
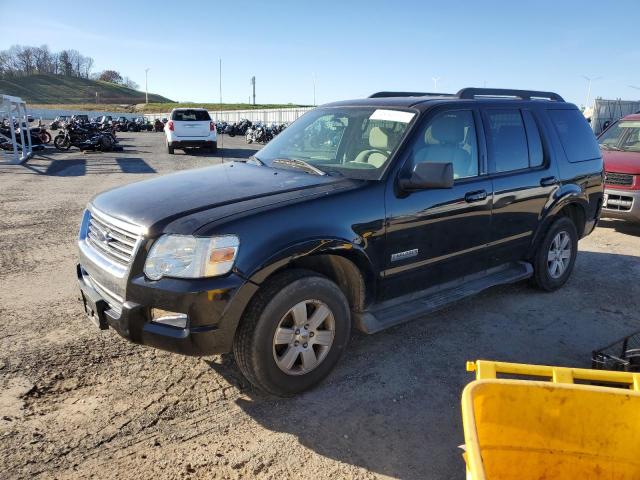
(253, 133)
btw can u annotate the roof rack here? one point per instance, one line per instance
(471, 93)
(409, 94)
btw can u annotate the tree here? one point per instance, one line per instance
(64, 60)
(127, 82)
(88, 65)
(26, 60)
(110, 76)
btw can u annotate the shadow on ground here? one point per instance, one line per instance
(621, 226)
(93, 163)
(392, 405)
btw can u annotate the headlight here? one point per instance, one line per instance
(184, 256)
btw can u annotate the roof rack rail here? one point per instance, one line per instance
(409, 94)
(471, 93)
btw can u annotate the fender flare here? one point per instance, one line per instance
(306, 249)
(567, 195)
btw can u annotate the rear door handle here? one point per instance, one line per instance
(548, 181)
(476, 196)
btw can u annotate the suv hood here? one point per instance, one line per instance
(236, 186)
(621, 162)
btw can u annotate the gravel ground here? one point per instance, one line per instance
(79, 403)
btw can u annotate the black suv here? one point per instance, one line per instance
(368, 212)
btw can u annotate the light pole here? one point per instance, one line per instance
(146, 85)
(435, 83)
(313, 75)
(590, 80)
(221, 82)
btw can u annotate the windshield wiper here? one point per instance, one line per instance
(256, 160)
(294, 162)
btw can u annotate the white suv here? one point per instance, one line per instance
(190, 127)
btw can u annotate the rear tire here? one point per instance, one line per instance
(556, 255)
(279, 345)
(170, 149)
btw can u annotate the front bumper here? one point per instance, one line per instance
(621, 204)
(213, 308)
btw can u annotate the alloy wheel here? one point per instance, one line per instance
(559, 255)
(303, 337)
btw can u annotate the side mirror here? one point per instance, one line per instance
(429, 175)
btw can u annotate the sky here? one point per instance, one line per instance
(351, 48)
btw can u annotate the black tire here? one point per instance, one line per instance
(170, 149)
(61, 142)
(253, 345)
(542, 276)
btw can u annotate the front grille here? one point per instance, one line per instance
(618, 202)
(113, 242)
(611, 178)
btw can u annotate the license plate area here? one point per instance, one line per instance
(94, 308)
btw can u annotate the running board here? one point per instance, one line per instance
(409, 307)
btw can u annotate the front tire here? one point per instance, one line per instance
(61, 142)
(556, 255)
(293, 333)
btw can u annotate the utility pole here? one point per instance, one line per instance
(314, 88)
(221, 81)
(435, 83)
(590, 80)
(96, 98)
(146, 85)
(253, 84)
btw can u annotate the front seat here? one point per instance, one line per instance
(449, 133)
(379, 152)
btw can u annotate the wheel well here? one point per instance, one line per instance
(576, 214)
(343, 271)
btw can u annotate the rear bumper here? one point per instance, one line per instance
(622, 204)
(213, 308)
(193, 143)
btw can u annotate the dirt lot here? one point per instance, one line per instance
(79, 403)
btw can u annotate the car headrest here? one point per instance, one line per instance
(379, 138)
(447, 130)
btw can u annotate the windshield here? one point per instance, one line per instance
(623, 136)
(356, 142)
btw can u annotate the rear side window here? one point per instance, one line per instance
(576, 136)
(506, 140)
(191, 116)
(536, 153)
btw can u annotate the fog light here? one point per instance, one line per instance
(165, 317)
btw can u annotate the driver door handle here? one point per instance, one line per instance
(476, 196)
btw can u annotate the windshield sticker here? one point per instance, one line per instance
(392, 116)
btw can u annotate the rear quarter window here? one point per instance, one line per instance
(576, 136)
(191, 116)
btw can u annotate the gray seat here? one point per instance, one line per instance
(379, 151)
(449, 133)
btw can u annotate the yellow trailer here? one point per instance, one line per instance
(551, 423)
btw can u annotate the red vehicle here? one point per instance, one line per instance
(620, 145)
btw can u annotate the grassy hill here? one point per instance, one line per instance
(59, 90)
